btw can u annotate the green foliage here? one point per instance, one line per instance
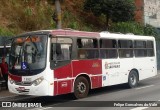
(135, 28)
(127, 27)
(73, 25)
(150, 30)
(116, 10)
(5, 32)
(28, 11)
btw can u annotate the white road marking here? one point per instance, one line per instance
(144, 87)
(139, 108)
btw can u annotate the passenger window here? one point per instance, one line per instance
(150, 49)
(87, 48)
(125, 48)
(61, 49)
(108, 48)
(140, 49)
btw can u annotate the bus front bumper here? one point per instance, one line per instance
(39, 90)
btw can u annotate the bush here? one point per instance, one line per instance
(135, 28)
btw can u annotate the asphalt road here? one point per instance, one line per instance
(108, 98)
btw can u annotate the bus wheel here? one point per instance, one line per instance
(133, 79)
(81, 87)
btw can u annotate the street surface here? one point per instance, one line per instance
(98, 99)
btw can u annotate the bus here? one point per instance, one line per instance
(55, 62)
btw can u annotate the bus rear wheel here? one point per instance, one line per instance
(81, 87)
(133, 79)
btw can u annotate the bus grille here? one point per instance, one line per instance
(23, 83)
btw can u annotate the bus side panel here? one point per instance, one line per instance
(116, 71)
(63, 80)
(96, 81)
(92, 68)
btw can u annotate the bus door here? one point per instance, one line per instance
(6, 49)
(61, 64)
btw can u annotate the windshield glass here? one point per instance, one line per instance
(28, 55)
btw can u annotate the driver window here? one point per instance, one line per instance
(61, 49)
(30, 55)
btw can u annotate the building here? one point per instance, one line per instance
(147, 12)
(139, 13)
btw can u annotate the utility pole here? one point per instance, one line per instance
(58, 14)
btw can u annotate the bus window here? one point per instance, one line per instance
(125, 48)
(108, 48)
(61, 49)
(150, 50)
(140, 48)
(87, 48)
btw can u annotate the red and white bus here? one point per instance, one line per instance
(55, 62)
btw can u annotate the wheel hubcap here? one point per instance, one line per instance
(133, 79)
(81, 87)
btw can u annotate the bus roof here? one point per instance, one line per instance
(125, 36)
(76, 33)
(62, 32)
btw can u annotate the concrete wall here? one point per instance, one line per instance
(152, 12)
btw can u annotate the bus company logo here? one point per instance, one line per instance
(64, 84)
(95, 65)
(112, 65)
(6, 104)
(106, 65)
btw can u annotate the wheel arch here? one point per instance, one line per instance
(83, 75)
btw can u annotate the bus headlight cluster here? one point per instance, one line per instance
(38, 81)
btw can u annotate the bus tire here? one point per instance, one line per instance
(81, 87)
(133, 79)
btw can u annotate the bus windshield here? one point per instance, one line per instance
(28, 55)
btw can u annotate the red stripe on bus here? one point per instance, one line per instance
(89, 67)
(15, 78)
(92, 67)
(55, 88)
(65, 74)
(74, 33)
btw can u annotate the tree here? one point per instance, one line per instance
(114, 10)
(57, 15)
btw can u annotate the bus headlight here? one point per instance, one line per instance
(11, 80)
(38, 81)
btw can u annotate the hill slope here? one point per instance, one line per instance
(18, 16)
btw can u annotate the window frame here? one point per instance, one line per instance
(140, 48)
(77, 49)
(148, 48)
(61, 43)
(122, 48)
(108, 48)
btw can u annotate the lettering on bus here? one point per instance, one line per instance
(95, 65)
(112, 65)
